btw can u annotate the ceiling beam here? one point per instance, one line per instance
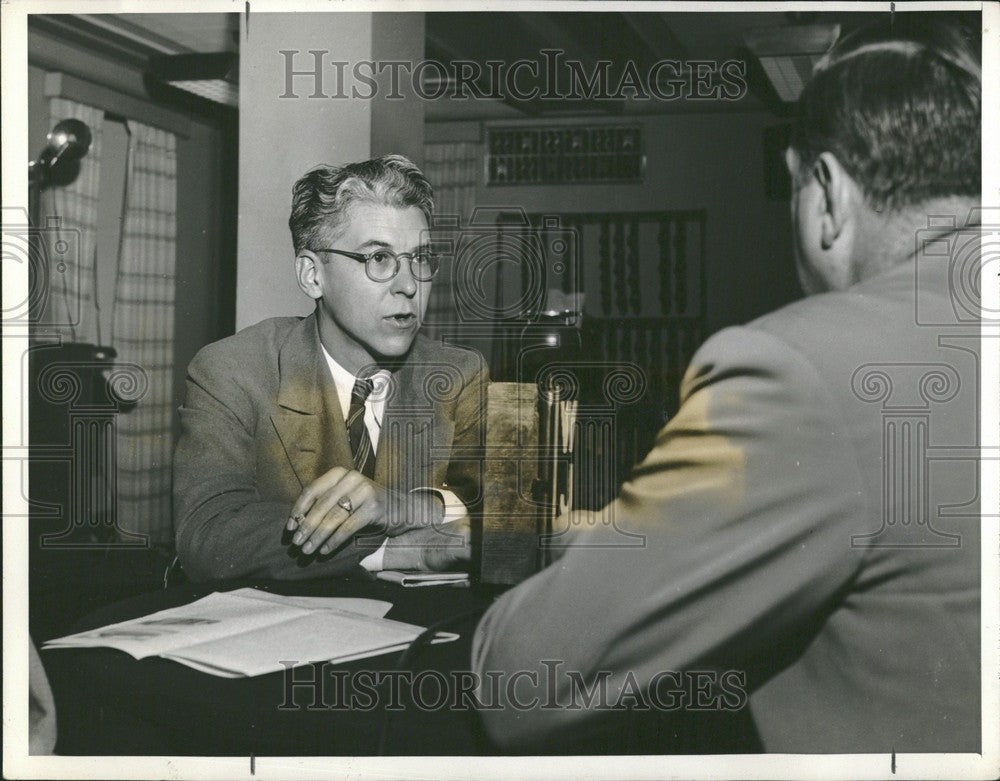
(97, 38)
(446, 50)
(659, 40)
(562, 31)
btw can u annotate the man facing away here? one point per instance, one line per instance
(312, 445)
(796, 531)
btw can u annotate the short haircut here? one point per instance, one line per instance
(321, 197)
(899, 105)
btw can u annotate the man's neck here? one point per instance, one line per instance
(354, 358)
(890, 239)
(350, 356)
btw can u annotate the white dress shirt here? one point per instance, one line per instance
(343, 380)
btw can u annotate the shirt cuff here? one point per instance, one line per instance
(373, 561)
(454, 508)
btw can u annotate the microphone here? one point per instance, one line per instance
(67, 142)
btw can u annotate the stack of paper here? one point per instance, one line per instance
(249, 632)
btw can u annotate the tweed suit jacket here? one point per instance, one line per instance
(261, 421)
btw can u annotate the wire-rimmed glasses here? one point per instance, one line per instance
(382, 264)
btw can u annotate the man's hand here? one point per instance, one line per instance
(339, 504)
(433, 548)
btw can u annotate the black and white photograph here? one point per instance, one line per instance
(464, 390)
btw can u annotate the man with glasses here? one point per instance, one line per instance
(312, 445)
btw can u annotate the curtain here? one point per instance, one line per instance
(454, 170)
(142, 322)
(143, 330)
(70, 308)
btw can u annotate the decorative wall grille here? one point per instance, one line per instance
(574, 154)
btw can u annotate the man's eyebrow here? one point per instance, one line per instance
(425, 244)
(375, 243)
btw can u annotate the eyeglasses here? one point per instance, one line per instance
(382, 264)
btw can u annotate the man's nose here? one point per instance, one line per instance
(404, 282)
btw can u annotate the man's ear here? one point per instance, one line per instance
(839, 197)
(307, 273)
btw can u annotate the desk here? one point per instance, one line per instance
(108, 703)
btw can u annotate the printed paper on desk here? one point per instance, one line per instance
(217, 615)
(235, 634)
(376, 608)
(327, 635)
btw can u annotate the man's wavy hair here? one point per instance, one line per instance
(899, 104)
(321, 197)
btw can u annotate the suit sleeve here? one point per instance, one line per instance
(224, 529)
(464, 474)
(724, 542)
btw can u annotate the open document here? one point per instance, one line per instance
(249, 632)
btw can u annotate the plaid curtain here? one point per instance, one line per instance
(143, 330)
(70, 310)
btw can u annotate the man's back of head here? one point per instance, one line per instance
(886, 132)
(899, 104)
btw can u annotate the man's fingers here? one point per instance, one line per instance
(325, 513)
(347, 529)
(335, 519)
(333, 508)
(311, 493)
(337, 528)
(429, 549)
(330, 514)
(298, 512)
(450, 550)
(356, 487)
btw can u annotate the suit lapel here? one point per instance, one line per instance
(308, 419)
(398, 408)
(412, 424)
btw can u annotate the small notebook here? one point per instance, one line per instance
(414, 578)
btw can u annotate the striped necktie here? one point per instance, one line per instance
(361, 443)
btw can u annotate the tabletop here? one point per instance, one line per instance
(419, 703)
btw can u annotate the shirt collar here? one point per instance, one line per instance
(344, 382)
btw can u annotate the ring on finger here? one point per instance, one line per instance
(345, 503)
